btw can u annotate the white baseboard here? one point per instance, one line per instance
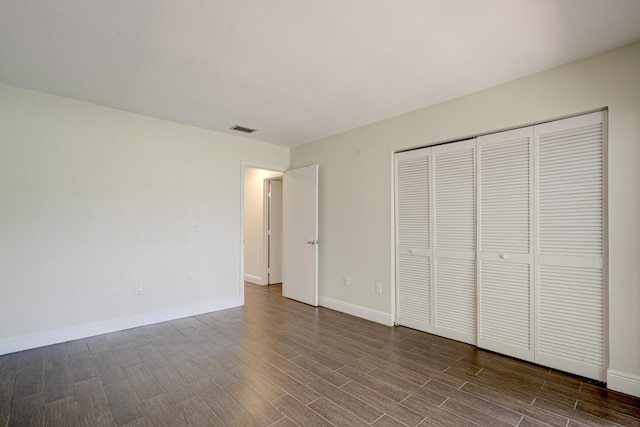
(25, 342)
(623, 382)
(256, 280)
(356, 310)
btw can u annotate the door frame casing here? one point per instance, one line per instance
(266, 220)
(243, 165)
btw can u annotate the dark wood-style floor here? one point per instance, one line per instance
(281, 363)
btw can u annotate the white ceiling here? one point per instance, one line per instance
(296, 70)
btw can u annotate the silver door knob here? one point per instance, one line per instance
(503, 256)
(312, 242)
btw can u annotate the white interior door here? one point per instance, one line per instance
(571, 245)
(413, 239)
(454, 250)
(275, 232)
(300, 226)
(505, 267)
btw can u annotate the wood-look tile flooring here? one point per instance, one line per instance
(281, 363)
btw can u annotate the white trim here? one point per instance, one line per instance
(256, 280)
(393, 286)
(623, 382)
(25, 342)
(357, 311)
(265, 232)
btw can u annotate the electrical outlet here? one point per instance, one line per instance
(346, 280)
(139, 289)
(378, 288)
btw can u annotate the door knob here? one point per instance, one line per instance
(503, 256)
(312, 242)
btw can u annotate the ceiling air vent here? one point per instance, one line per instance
(242, 129)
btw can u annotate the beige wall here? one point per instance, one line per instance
(94, 200)
(356, 185)
(254, 241)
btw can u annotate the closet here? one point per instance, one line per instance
(500, 242)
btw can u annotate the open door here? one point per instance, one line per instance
(274, 232)
(300, 231)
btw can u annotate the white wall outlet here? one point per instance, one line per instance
(195, 222)
(346, 280)
(378, 288)
(139, 289)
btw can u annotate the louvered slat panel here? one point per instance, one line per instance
(455, 199)
(505, 196)
(455, 241)
(412, 202)
(456, 298)
(570, 188)
(505, 305)
(571, 315)
(414, 291)
(505, 209)
(571, 245)
(413, 218)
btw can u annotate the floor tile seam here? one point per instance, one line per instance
(621, 415)
(353, 395)
(385, 368)
(464, 416)
(334, 371)
(424, 417)
(531, 404)
(383, 381)
(246, 412)
(328, 397)
(278, 420)
(277, 385)
(13, 398)
(609, 408)
(300, 382)
(378, 419)
(320, 363)
(495, 404)
(390, 400)
(413, 383)
(350, 413)
(571, 417)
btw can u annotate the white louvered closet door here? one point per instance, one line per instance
(413, 239)
(505, 265)
(571, 245)
(454, 250)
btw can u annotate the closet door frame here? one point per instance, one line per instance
(534, 259)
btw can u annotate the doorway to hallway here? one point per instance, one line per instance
(262, 226)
